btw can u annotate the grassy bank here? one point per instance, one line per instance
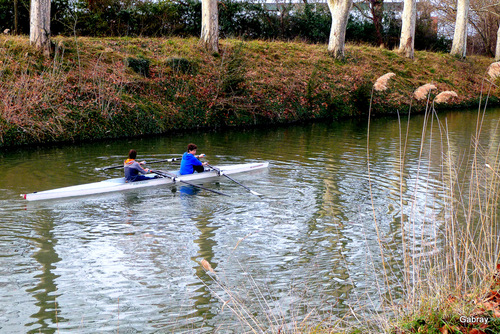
(108, 88)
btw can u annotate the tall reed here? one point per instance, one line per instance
(445, 273)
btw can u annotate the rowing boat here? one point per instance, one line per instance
(119, 184)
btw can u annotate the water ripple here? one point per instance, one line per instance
(130, 261)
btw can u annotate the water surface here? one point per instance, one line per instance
(129, 262)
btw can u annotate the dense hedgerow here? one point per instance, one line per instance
(247, 20)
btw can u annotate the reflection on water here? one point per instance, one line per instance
(130, 261)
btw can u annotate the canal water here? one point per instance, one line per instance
(308, 249)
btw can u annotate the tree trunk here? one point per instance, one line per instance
(16, 18)
(377, 9)
(497, 49)
(459, 46)
(407, 41)
(340, 14)
(210, 25)
(40, 25)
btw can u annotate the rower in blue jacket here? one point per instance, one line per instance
(133, 170)
(190, 162)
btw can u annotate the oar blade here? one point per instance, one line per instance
(256, 193)
(106, 168)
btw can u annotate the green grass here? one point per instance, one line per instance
(273, 84)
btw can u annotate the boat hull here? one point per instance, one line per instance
(119, 184)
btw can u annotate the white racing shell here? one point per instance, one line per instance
(119, 184)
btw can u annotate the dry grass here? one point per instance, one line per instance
(423, 91)
(448, 274)
(268, 318)
(445, 96)
(381, 83)
(283, 82)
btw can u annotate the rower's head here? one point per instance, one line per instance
(192, 148)
(132, 154)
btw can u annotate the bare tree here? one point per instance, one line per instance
(210, 25)
(407, 41)
(40, 25)
(16, 18)
(482, 23)
(459, 46)
(340, 15)
(484, 19)
(376, 8)
(497, 48)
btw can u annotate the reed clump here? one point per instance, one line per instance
(450, 259)
(444, 97)
(494, 70)
(423, 91)
(381, 83)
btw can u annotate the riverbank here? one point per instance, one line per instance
(97, 88)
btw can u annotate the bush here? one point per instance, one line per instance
(248, 20)
(138, 65)
(313, 23)
(182, 65)
(233, 78)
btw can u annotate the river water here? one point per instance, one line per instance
(130, 262)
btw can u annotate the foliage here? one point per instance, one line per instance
(313, 23)
(86, 92)
(243, 19)
(359, 30)
(234, 73)
(426, 37)
(361, 97)
(139, 65)
(182, 65)
(247, 20)
(7, 15)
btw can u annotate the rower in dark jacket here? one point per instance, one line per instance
(190, 162)
(133, 170)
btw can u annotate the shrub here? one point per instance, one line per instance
(234, 75)
(138, 65)
(182, 65)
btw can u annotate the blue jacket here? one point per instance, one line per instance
(187, 163)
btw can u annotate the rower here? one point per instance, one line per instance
(133, 169)
(190, 162)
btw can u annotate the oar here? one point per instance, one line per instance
(220, 172)
(174, 179)
(151, 162)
